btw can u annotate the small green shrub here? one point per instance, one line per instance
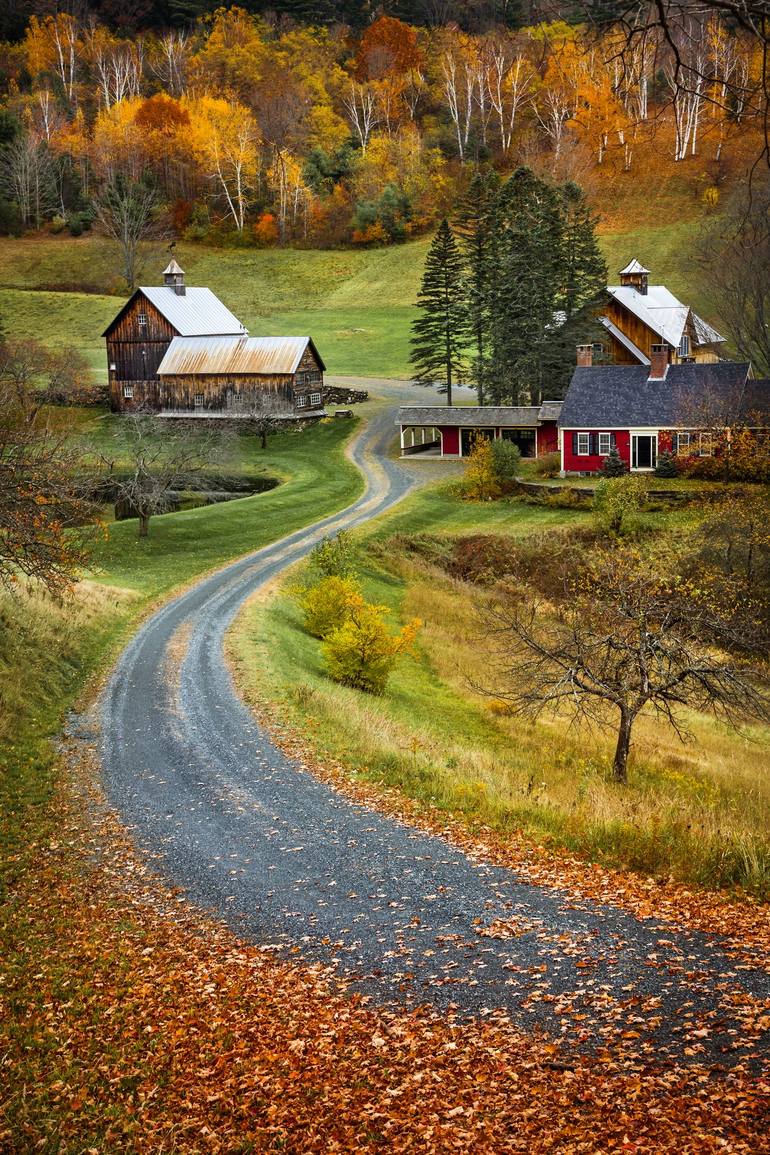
(362, 652)
(617, 501)
(613, 464)
(333, 557)
(329, 603)
(58, 224)
(667, 465)
(506, 461)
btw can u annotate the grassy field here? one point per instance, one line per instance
(699, 812)
(357, 304)
(48, 650)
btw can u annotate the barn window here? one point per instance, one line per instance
(315, 398)
(128, 391)
(302, 378)
(583, 444)
(314, 377)
(142, 319)
(684, 346)
(301, 401)
(605, 442)
(198, 400)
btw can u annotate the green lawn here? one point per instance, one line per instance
(48, 650)
(694, 811)
(357, 304)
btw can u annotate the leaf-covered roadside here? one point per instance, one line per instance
(132, 1024)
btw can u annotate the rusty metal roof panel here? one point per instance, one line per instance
(196, 312)
(187, 356)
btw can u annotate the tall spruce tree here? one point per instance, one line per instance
(527, 283)
(440, 332)
(476, 224)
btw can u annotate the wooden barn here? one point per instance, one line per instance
(178, 351)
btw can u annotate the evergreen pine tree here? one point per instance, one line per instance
(476, 225)
(526, 290)
(440, 333)
(584, 283)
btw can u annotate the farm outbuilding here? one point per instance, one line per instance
(179, 351)
(449, 431)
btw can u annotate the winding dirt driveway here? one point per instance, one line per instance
(287, 862)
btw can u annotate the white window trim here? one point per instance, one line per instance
(684, 345)
(587, 451)
(301, 401)
(707, 440)
(142, 319)
(128, 392)
(605, 439)
(199, 400)
(683, 444)
(315, 398)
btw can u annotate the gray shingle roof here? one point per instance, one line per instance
(470, 416)
(622, 396)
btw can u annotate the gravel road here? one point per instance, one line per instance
(403, 916)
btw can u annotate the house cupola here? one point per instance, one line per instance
(173, 277)
(635, 276)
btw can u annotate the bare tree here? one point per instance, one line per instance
(127, 210)
(28, 177)
(161, 462)
(170, 62)
(361, 107)
(623, 640)
(261, 412)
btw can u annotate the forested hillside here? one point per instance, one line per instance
(321, 125)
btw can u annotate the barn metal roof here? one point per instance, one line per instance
(476, 416)
(237, 355)
(662, 312)
(197, 312)
(619, 335)
(633, 266)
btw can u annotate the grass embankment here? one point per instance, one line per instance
(698, 812)
(48, 651)
(357, 304)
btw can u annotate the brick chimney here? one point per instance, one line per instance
(658, 362)
(585, 356)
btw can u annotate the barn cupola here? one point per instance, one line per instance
(173, 277)
(635, 276)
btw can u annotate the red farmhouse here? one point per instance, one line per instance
(449, 431)
(643, 410)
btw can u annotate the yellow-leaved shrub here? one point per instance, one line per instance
(329, 603)
(362, 651)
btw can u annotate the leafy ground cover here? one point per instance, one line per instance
(357, 304)
(696, 812)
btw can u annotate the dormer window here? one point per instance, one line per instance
(684, 346)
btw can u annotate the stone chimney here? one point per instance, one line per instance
(585, 356)
(173, 278)
(658, 362)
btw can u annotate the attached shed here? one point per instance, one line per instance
(236, 376)
(449, 431)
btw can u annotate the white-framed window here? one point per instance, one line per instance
(583, 444)
(142, 319)
(128, 392)
(605, 444)
(683, 444)
(706, 445)
(198, 400)
(315, 398)
(684, 346)
(301, 401)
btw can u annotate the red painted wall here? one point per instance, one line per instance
(450, 439)
(547, 438)
(593, 462)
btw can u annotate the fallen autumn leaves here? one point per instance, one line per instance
(132, 1024)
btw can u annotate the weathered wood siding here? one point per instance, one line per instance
(227, 393)
(136, 351)
(644, 338)
(144, 395)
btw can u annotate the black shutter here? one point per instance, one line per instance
(574, 444)
(593, 443)
(613, 441)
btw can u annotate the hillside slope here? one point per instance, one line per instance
(357, 304)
